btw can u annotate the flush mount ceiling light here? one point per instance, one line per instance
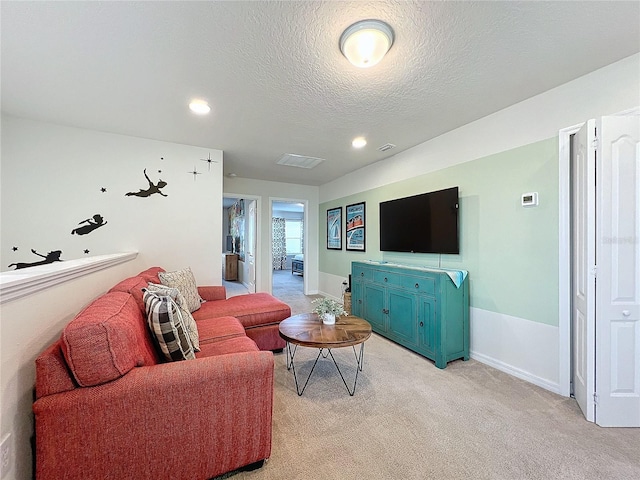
(200, 107)
(365, 43)
(359, 142)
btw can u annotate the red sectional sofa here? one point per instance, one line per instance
(108, 406)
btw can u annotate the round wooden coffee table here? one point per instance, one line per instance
(307, 330)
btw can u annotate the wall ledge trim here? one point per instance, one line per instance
(15, 284)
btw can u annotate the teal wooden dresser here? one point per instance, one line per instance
(423, 309)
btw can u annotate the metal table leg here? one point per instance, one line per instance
(291, 366)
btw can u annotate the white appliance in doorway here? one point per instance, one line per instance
(605, 313)
(250, 253)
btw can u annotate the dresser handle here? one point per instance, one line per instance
(421, 324)
(417, 285)
(359, 302)
(362, 274)
(385, 279)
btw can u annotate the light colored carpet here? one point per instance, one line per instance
(411, 420)
(289, 288)
(286, 287)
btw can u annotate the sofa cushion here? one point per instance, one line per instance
(251, 309)
(212, 292)
(215, 329)
(151, 274)
(133, 286)
(184, 281)
(267, 337)
(187, 318)
(227, 346)
(106, 340)
(165, 322)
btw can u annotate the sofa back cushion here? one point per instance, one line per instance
(133, 286)
(151, 274)
(106, 340)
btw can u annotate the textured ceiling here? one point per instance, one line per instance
(276, 80)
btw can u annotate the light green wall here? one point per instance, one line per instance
(511, 252)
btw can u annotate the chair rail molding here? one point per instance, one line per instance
(15, 284)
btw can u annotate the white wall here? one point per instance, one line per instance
(265, 193)
(28, 325)
(605, 91)
(52, 178)
(529, 350)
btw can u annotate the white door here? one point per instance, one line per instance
(583, 203)
(250, 253)
(618, 276)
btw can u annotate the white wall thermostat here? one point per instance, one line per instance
(530, 199)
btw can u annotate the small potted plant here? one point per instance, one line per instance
(328, 310)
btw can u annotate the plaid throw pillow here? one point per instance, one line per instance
(165, 322)
(184, 281)
(187, 319)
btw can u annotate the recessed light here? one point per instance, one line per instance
(200, 107)
(359, 142)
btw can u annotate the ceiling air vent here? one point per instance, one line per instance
(386, 146)
(292, 160)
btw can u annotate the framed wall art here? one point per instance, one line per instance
(356, 228)
(334, 228)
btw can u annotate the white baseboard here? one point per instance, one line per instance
(516, 372)
(331, 285)
(517, 346)
(332, 297)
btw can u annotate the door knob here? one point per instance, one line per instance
(626, 313)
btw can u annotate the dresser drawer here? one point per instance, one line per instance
(409, 282)
(362, 273)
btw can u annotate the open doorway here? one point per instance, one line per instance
(287, 247)
(239, 232)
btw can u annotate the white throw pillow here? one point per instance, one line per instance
(184, 281)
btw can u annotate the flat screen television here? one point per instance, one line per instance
(425, 223)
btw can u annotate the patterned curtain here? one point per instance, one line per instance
(279, 243)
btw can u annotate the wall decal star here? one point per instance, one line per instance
(209, 161)
(103, 190)
(86, 250)
(15, 249)
(194, 173)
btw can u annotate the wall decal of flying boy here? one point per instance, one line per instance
(149, 191)
(97, 222)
